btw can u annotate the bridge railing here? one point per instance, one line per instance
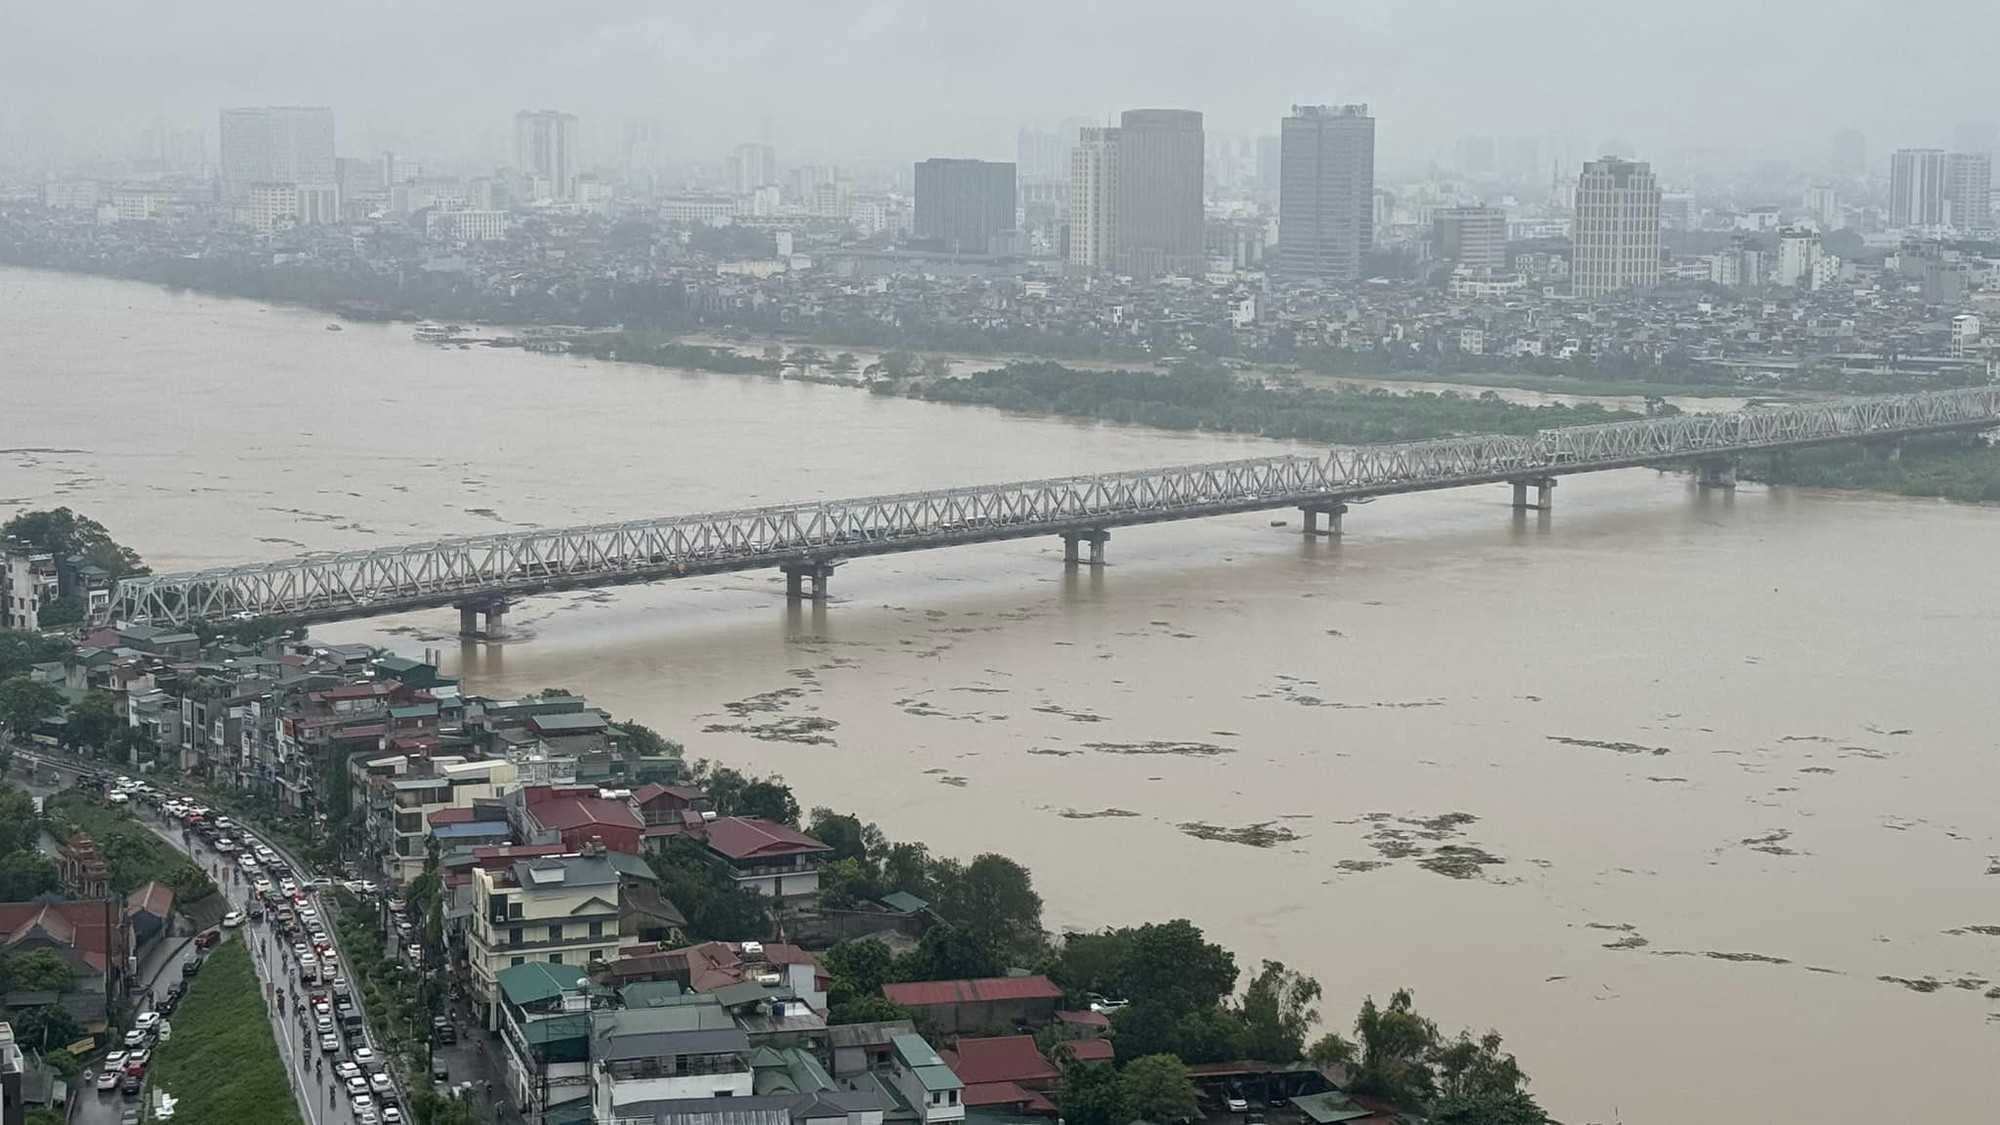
(350, 582)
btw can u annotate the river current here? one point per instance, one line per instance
(1690, 795)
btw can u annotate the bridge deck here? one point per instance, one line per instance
(365, 583)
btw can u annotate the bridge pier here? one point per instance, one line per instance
(1545, 494)
(1096, 539)
(1716, 472)
(1332, 512)
(469, 612)
(798, 574)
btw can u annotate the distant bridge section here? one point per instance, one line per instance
(480, 574)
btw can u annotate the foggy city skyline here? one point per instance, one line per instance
(833, 84)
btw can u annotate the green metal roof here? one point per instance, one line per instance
(903, 902)
(536, 982)
(1328, 1108)
(916, 1053)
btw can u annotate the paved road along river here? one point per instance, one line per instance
(1689, 796)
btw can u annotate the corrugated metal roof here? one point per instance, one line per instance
(977, 991)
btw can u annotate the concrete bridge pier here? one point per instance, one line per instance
(1716, 472)
(1332, 512)
(1096, 539)
(1545, 494)
(1891, 450)
(495, 610)
(798, 574)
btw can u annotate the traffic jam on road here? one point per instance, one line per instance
(275, 907)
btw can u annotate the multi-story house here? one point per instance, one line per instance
(675, 1052)
(562, 910)
(402, 796)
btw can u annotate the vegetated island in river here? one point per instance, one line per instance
(1961, 467)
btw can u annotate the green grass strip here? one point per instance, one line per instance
(222, 1062)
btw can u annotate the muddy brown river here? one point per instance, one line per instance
(1691, 796)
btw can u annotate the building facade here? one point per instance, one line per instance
(1160, 185)
(545, 148)
(1617, 230)
(962, 204)
(276, 144)
(1326, 191)
(1471, 238)
(1093, 201)
(562, 910)
(1917, 188)
(1968, 190)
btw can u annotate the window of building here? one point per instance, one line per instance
(597, 929)
(514, 935)
(555, 932)
(555, 958)
(511, 962)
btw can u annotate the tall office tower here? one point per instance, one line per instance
(963, 204)
(1473, 238)
(275, 144)
(1917, 187)
(545, 148)
(648, 146)
(1094, 199)
(753, 166)
(1976, 136)
(1968, 190)
(1617, 232)
(1040, 153)
(1270, 156)
(1326, 191)
(1160, 192)
(1477, 156)
(1850, 153)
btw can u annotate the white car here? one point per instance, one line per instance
(364, 1055)
(366, 1115)
(135, 1038)
(380, 1082)
(115, 1061)
(300, 949)
(357, 1085)
(391, 1115)
(1236, 1105)
(232, 919)
(145, 1021)
(329, 1042)
(346, 1069)
(363, 1101)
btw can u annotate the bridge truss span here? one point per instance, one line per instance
(492, 568)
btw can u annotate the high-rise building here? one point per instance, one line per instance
(963, 204)
(1798, 252)
(1326, 191)
(648, 145)
(1917, 188)
(1968, 190)
(1472, 238)
(1160, 192)
(1094, 198)
(753, 166)
(1040, 153)
(545, 148)
(1616, 244)
(275, 144)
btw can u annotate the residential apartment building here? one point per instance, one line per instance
(1471, 238)
(1968, 190)
(1917, 188)
(1326, 192)
(1160, 189)
(1094, 200)
(674, 1052)
(546, 149)
(562, 910)
(399, 805)
(963, 205)
(28, 579)
(545, 1038)
(773, 859)
(926, 1083)
(753, 166)
(276, 144)
(1616, 236)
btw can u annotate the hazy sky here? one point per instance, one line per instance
(893, 78)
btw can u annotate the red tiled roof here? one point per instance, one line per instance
(153, 898)
(1088, 1050)
(1006, 1093)
(653, 791)
(1085, 1019)
(749, 837)
(1005, 1058)
(565, 813)
(80, 925)
(918, 994)
(452, 814)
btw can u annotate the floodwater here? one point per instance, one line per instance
(1691, 796)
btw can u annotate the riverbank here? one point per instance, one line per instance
(1964, 468)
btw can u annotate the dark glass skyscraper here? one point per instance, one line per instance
(962, 204)
(1326, 191)
(1160, 192)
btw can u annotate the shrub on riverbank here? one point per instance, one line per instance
(1218, 400)
(222, 1062)
(1961, 467)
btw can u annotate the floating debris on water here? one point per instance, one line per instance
(1816, 769)
(1772, 843)
(1620, 747)
(953, 780)
(1073, 814)
(1361, 865)
(1459, 861)
(807, 730)
(1053, 752)
(1261, 835)
(1072, 716)
(764, 702)
(1985, 931)
(1184, 749)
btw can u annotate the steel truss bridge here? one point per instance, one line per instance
(480, 573)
